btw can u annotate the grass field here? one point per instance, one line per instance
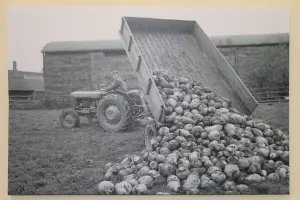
(47, 159)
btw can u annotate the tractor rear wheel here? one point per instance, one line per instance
(114, 113)
(69, 118)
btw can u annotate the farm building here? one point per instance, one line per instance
(25, 85)
(18, 87)
(26, 89)
(81, 65)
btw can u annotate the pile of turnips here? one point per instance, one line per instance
(205, 144)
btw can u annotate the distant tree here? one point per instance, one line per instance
(275, 71)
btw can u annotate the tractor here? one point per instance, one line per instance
(114, 110)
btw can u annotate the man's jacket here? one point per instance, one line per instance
(118, 84)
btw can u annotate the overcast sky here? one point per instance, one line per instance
(31, 27)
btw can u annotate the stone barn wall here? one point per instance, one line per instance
(64, 73)
(105, 62)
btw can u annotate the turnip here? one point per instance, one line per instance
(105, 187)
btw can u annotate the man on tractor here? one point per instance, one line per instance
(117, 84)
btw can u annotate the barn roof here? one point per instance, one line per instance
(248, 40)
(79, 46)
(21, 80)
(18, 83)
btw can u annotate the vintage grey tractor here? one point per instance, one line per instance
(115, 110)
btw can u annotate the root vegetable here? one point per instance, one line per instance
(171, 102)
(212, 128)
(197, 129)
(194, 156)
(185, 120)
(208, 184)
(172, 159)
(185, 133)
(179, 110)
(229, 186)
(164, 150)
(254, 168)
(153, 165)
(133, 182)
(140, 189)
(173, 145)
(182, 172)
(197, 117)
(184, 162)
(243, 163)
(274, 177)
(192, 182)
(237, 119)
(153, 173)
(282, 171)
(172, 178)
(242, 188)
(173, 186)
(123, 188)
(143, 171)
(218, 176)
(253, 178)
(214, 135)
(212, 170)
(105, 187)
(166, 169)
(171, 117)
(147, 180)
(257, 132)
(187, 98)
(232, 171)
(194, 104)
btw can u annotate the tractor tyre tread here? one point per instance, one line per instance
(72, 112)
(125, 107)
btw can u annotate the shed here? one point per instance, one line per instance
(18, 86)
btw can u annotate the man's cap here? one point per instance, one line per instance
(111, 74)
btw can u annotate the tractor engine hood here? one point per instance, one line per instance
(87, 94)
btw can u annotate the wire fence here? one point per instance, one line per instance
(270, 94)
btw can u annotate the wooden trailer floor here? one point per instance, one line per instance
(180, 54)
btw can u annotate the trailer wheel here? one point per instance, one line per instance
(150, 132)
(114, 113)
(69, 118)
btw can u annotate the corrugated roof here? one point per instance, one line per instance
(245, 40)
(18, 83)
(21, 80)
(77, 46)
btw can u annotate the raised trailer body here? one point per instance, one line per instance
(182, 48)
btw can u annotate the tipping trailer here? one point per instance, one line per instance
(182, 48)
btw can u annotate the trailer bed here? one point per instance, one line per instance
(182, 48)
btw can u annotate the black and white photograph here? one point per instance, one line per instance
(148, 100)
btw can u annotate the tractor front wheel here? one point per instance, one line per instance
(69, 118)
(114, 113)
